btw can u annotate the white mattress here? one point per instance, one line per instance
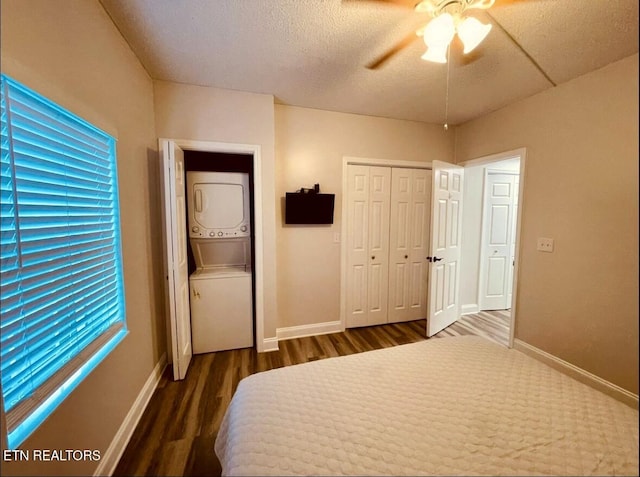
(451, 406)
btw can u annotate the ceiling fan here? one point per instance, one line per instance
(449, 17)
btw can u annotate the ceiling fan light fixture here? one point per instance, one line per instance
(471, 32)
(440, 31)
(436, 54)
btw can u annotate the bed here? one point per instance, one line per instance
(450, 406)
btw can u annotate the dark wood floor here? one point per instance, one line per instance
(177, 431)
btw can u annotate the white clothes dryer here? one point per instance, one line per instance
(219, 205)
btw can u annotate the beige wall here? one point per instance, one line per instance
(76, 57)
(580, 302)
(310, 146)
(218, 115)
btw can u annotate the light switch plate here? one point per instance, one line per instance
(545, 244)
(336, 237)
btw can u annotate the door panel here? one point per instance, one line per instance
(357, 243)
(420, 219)
(379, 200)
(396, 289)
(360, 224)
(400, 239)
(418, 297)
(496, 278)
(438, 282)
(368, 192)
(176, 257)
(360, 289)
(444, 307)
(375, 288)
(441, 225)
(498, 241)
(376, 222)
(410, 193)
(452, 289)
(499, 225)
(419, 226)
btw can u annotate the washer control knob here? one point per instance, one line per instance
(243, 228)
(219, 234)
(212, 234)
(195, 229)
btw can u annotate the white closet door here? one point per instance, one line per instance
(379, 203)
(358, 244)
(409, 231)
(368, 197)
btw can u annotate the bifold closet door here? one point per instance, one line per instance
(368, 202)
(409, 237)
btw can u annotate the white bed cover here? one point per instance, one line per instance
(450, 406)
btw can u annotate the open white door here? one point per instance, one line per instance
(444, 251)
(177, 270)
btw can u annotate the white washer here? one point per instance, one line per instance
(221, 309)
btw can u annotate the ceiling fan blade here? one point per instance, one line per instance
(401, 45)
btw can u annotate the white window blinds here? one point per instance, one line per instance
(62, 300)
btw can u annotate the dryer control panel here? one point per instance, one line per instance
(197, 232)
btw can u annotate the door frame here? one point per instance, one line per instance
(487, 160)
(255, 151)
(361, 161)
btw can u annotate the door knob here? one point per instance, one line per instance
(373, 257)
(406, 256)
(436, 259)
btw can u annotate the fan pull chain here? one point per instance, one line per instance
(446, 101)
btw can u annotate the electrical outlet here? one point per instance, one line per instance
(545, 244)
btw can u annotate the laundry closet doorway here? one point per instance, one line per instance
(175, 238)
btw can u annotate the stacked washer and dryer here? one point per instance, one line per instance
(221, 298)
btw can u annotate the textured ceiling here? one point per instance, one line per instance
(313, 53)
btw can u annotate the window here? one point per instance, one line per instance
(62, 300)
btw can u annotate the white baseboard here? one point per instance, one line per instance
(578, 374)
(269, 344)
(114, 452)
(315, 329)
(469, 309)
